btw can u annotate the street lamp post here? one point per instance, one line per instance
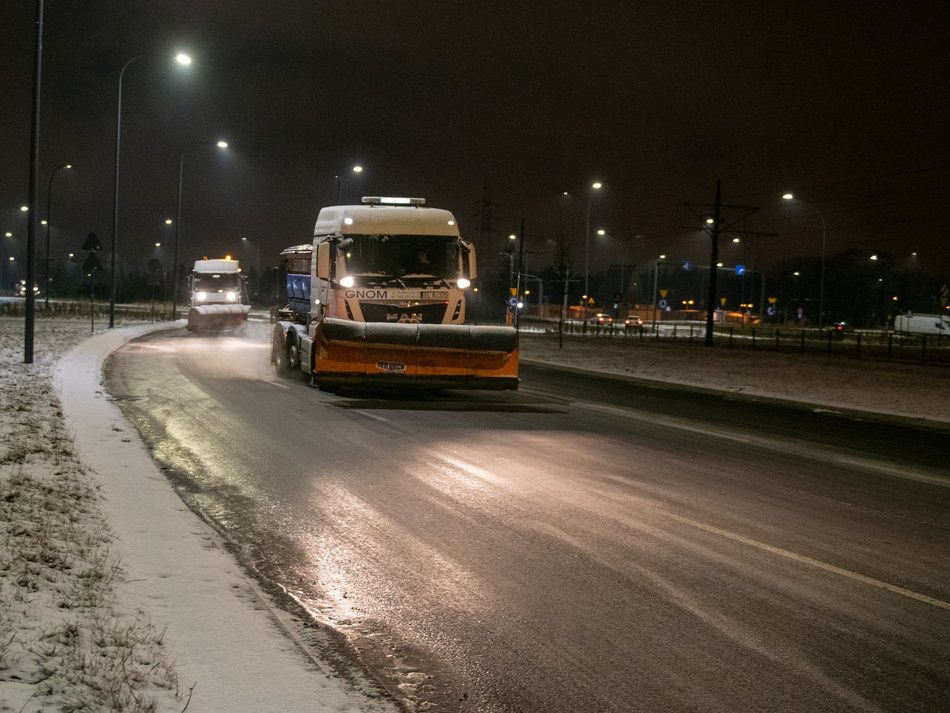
(3, 261)
(257, 264)
(824, 241)
(181, 59)
(595, 186)
(339, 181)
(49, 220)
(181, 173)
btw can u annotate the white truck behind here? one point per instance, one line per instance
(219, 297)
(911, 323)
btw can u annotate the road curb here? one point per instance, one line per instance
(755, 397)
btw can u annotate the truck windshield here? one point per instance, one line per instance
(402, 256)
(212, 282)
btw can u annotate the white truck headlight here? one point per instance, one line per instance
(347, 281)
(202, 296)
(231, 296)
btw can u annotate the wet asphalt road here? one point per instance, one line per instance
(580, 545)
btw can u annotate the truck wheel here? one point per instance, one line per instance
(279, 355)
(293, 354)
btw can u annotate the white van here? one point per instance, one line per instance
(911, 323)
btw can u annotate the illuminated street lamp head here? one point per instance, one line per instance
(158, 245)
(222, 144)
(788, 196)
(357, 169)
(24, 208)
(182, 58)
(168, 221)
(512, 236)
(596, 185)
(8, 234)
(601, 232)
(68, 165)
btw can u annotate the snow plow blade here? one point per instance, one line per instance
(214, 317)
(423, 355)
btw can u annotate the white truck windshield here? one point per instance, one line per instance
(213, 282)
(402, 256)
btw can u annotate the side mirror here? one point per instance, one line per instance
(468, 260)
(323, 261)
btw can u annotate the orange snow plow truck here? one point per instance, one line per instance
(378, 299)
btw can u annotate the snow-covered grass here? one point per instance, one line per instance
(66, 640)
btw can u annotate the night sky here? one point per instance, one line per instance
(847, 104)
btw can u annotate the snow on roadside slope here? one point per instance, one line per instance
(912, 391)
(176, 614)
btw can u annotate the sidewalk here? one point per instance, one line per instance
(173, 621)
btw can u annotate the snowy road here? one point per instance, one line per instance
(575, 545)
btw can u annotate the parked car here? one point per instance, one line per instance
(21, 289)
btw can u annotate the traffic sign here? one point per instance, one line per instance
(740, 269)
(91, 263)
(91, 242)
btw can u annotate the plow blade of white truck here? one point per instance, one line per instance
(426, 355)
(214, 317)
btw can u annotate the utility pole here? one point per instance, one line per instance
(519, 286)
(486, 223)
(714, 226)
(713, 267)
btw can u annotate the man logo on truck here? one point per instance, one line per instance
(404, 317)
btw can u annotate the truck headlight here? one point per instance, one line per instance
(231, 296)
(347, 281)
(463, 282)
(202, 296)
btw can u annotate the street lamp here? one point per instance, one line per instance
(595, 186)
(824, 240)
(339, 181)
(49, 201)
(623, 258)
(181, 173)
(182, 59)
